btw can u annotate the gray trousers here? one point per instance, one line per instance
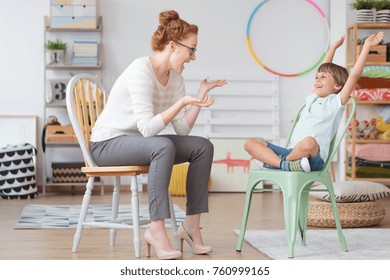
(161, 153)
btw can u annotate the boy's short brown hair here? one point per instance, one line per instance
(339, 73)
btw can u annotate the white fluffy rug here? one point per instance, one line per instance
(362, 243)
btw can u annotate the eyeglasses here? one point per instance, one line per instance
(192, 50)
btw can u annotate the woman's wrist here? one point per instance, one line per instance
(183, 102)
(201, 94)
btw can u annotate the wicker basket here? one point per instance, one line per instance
(357, 214)
(177, 185)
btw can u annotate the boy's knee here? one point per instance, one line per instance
(309, 143)
(248, 146)
(252, 143)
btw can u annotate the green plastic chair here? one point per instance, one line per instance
(295, 187)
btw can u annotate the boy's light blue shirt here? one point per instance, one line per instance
(320, 118)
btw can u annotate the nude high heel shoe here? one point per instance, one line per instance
(161, 254)
(195, 248)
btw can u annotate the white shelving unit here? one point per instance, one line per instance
(60, 74)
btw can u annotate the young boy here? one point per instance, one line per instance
(320, 118)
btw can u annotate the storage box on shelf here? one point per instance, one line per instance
(60, 133)
(68, 172)
(73, 14)
(76, 23)
(377, 54)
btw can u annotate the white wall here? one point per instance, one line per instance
(21, 53)
(294, 41)
(222, 40)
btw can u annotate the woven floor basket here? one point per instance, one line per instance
(177, 185)
(357, 214)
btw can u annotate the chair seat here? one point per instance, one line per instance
(115, 170)
(286, 178)
(279, 172)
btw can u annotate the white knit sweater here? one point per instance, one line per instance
(136, 101)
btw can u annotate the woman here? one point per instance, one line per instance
(147, 97)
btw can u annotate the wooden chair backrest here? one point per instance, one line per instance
(89, 101)
(86, 98)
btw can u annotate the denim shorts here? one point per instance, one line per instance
(316, 162)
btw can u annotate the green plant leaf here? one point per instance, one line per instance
(55, 45)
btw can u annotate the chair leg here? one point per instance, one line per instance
(291, 200)
(343, 243)
(135, 210)
(173, 223)
(115, 207)
(303, 214)
(333, 173)
(245, 215)
(101, 186)
(83, 213)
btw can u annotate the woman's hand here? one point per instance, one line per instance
(202, 99)
(205, 102)
(206, 86)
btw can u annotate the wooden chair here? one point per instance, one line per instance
(295, 187)
(85, 100)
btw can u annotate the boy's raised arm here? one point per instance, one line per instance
(332, 49)
(357, 70)
(330, 54)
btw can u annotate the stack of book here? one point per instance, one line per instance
(85, 52)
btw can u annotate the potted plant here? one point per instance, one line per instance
(57, 49)
(364, 10)
(382, 10)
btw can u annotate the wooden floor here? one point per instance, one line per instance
(217, 229)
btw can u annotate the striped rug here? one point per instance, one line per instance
(38, 216)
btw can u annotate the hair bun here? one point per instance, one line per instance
(167, 16)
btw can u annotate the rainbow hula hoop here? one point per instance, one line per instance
(248, 42)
